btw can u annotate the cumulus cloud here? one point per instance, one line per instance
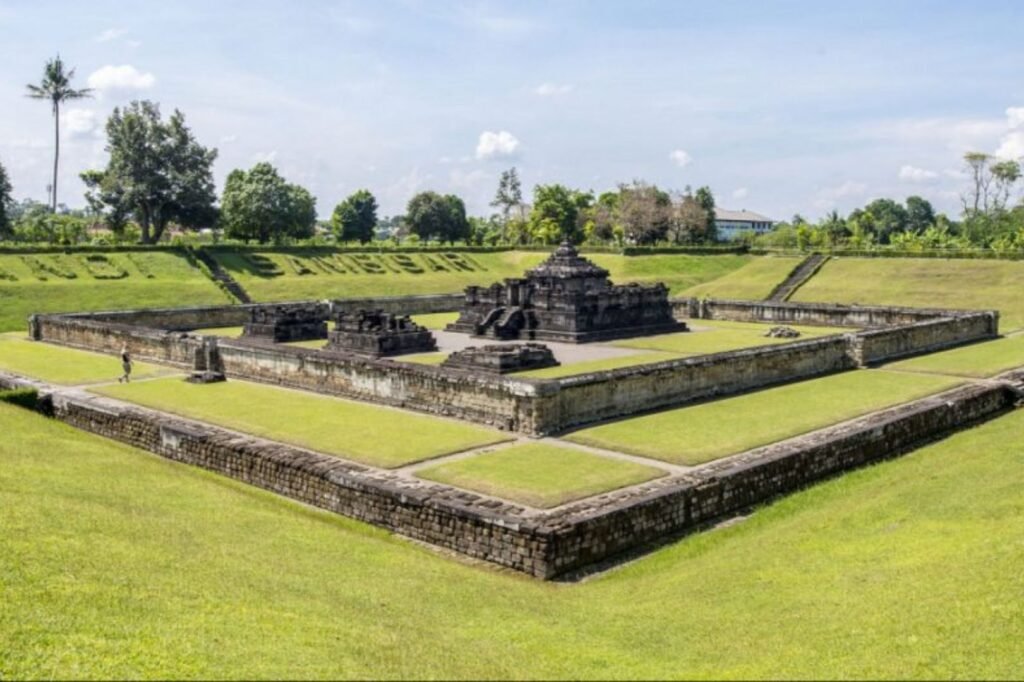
(499, 145)
(81, 123)
(1012, 144)
(680, 158)
(110, 34)
(915, 174)
(828, 197)
(126, 77)
(552, 89)
(740, 193)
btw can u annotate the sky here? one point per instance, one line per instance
(780, 107)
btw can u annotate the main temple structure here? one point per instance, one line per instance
(566, 298)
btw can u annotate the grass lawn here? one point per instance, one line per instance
(230, 332)
(60, 365)
(679, 272)
(575, 368)
(539, 475)
(708, 431)
(715, 336)
(925, 282)
(422, 358)
(117, 564)
(364, 433)
(976, 360)
(172, 281)
(435, 320)
(753, 281)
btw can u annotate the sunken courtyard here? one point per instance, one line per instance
(529, 362)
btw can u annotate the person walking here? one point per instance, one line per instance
(126, 365)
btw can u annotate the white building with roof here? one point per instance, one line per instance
(730, 224)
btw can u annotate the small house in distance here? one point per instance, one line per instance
(729, 225)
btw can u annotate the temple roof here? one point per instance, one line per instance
(567, 263)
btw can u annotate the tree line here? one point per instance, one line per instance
(158, 175)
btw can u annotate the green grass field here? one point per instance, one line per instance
(925, 282)
(679, 272)
(753, 281)
(716, 336)
(976, 360)
(435, 320)
(172, 282)
(117, 564)
(60, 365)
(364, 433)
(576, 368)
(538, 474)
(708, 431)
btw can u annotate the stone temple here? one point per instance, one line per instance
(566, 298)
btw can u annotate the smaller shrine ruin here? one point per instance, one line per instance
(566, 298)
(378, 334)
(502, 358)
(287, 322)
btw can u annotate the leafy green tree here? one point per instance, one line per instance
(6, 204)
(1005, 174)
(555, 215)
(432, 216)
(157, 173)
(355, 218)
(55, 87)
(835, 228)
(889, 218)
(706, 200)
(920, 214)
(260, 205)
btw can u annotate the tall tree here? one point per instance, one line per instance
(889, 218)
(260, 205)
(1004, 175)
(920, 214)
(5, 203)
(157, 173)
(509, 197)
(432, 216)
(690, 220)
(644, 212)
(706, 200)
(555, 215)
(55, 86)
(978, 195)
(355, 218)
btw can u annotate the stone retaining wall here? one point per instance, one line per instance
(542, 544)
(821, 314)
(534, 406)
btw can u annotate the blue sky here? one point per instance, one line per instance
(781, 107)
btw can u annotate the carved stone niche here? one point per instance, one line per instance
(287, 323)
(378, 334)
(502, 359)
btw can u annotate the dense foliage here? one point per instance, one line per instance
(260, 205)
(355, 219)
(157, 173)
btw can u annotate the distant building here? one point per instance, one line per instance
(730, 224)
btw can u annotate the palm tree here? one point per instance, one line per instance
(56, 87)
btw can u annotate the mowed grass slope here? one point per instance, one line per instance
(975, 360)
(358, 431)
(754, 281)
(708, 431)
(923, 282)
(154, 280)
(117, 564)
(310, 275)
(716, 336)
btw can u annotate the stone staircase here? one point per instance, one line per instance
(801, 273)
(221, 276)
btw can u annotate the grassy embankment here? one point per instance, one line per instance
(138, 280)
(117, 564)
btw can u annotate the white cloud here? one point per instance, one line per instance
(680, 158)
(499, 145)
(120, 78)
(81, 122)
(915, 174)
(552, 89)
(740, 193)
(110, 34)
(828, 197)
(268, 157)
(228, 139)
(1015, 117)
